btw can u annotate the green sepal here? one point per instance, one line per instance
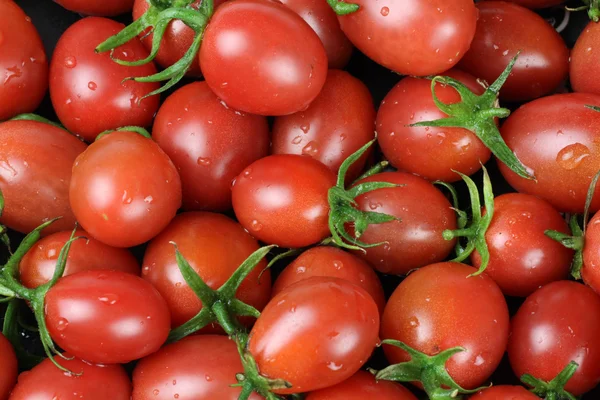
(135, 129)
(343, 8)
(555, 389)
(591, 6)
(37, 118)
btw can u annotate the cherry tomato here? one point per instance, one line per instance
(35, 171)
(439, 307)
(505, 392)
(215, 246)
(106, 317)
(335, 125)
(87, 88)
(124, 189)
(557, 324)
(535, 4)
(584, 56)
(503, 29)
(108, 8)
(8, 364)
(556, 137)
(591, 254)
(261, 57)
(315, 334)
(209, 143)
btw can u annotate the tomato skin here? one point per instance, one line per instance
(522, 257)
(504, 392)
(34, 175)
(139, 185)
(85, 86)
(339, 321)
(438, 307)
(570, 155)
(277, 73)
(502, 30)
(591, 254)
(557, 324)
(584, 56)
(8, 363)
(110, 8)
(209, 143)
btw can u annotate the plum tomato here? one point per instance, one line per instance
(591, 254)
(584, 56)
(105, 8)
(505, 392)
(9, 367)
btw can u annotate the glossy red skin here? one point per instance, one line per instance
(505, 392)
(428, 151)
(108, 317)
(282, 200)
(215, 246)
(8, 364)
(439, 307)
(108, 8)
(522, 257)
(38, 265)
(557, 324)
(85, 86)
(334, 126)
(558, 139)
(584, 56)
(535, 4)
(591, 254)
(261, 57)
(124, 189)
(199, 367)
(394, 35)
(209, 143)
(315, 334)
(23, 62)
(416, 240)
(35, 171)
(503, 29)
(332, 262)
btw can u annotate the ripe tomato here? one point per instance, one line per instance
(23, 62)
(261, 57)
(106, 317)
(584, 56)
(335, 125)
(339, 324)
(503, 29)
(557, 324)
(591, 254)
(438, 307)
(505, 392)
(108, 8)
(8, 363)
(35, 171)
(557, 137)
(209, 144)
(124, 189)
(86, 87)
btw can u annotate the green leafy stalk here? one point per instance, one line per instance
(342, 8)
(591, 6)
(555, 389)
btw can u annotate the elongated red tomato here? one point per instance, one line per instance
(591, 254)
(108, 8)
(505, 392)
(583, 66)
(8, 363)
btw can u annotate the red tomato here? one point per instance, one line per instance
(109, 8)
(106, 317)
(339, 324)
(557, 138)
(334, 126)
(591, 254)
(214, 246)
(394, 34)
(124, 189)
(86, 87)
(8, 363)
(584, 57)
(35, 171)
(535, 4)
(505, 392)
(503, 29)
(439, 307)
(557, 324)
(209, 143)
(261, 57)
(23, 60)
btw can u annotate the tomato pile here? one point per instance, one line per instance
(299, 199)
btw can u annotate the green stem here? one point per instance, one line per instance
(555, 389)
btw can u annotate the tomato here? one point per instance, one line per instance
(209, 143)
(557, 138)
(86, 87)
(505, 392)
(96, 382)
(315, 334)
(35, 171)
(282, 200)
(535, 4)
(334, 126)
(8, 364)
(108, 8)
(124, 189)
(503, 29)
(332, 262)
(439, 307)
(583, 67)
(106, 317)
(393, 33)
(430, 152)
(261, 57)
(557, 324)
(591, 254)
(23, 62)
(360, 386)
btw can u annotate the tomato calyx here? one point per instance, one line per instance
(342, 8)
(37, 118)
(591, 6)
(134, 129)
(555, 389)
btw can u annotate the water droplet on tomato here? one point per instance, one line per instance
(156, 392)
(334, 367)
(247, 173)
(255, 225)
(208, 378)
(478, 361)
(305, 128)
(301, 269)
(311, 149)
(12, 73)
(176, 395)
(508, 243)
(125, 198)
(414, 322)
(203, 161)
(337, 264)
(178, 284)
(70, 62)
(109, 299)
(148, 199)
(385, 11)
(145, 270)
(51, 253)
(62, 324)
(571, 156)
(28, 19)
(333, 334)
(297, 140)
(92, 85)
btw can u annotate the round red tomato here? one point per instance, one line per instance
(261, 57)
(8, 364)
(591, 254)
(584, 66)
(557, 324)
(107, 8)
(209, 143)
(87, 88)
(439, 307)
(124, 189)
(505, 392)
